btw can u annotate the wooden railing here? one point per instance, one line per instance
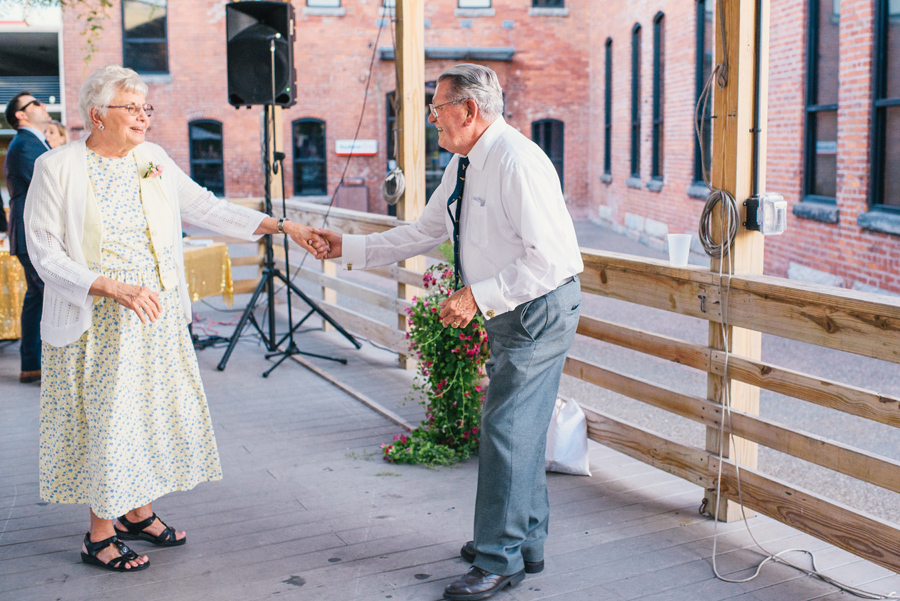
(856, 322)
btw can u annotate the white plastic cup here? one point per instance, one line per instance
(679, 249)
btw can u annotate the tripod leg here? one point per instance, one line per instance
(277, 363)
(248, 313)
(312, 304)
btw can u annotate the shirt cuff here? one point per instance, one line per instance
(353, 251)
(489, 299)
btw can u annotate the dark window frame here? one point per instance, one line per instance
(812, 108)
(548, 3)
(298, 161)
(126, 41)
(636, 101)
(880, 103)
(539, 136)
(705, 121)
(200, 161)
(607, 112)
(656, 171)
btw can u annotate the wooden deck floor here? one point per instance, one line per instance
(308, 510)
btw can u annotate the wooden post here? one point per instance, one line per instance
(732, 147)
(411, 130)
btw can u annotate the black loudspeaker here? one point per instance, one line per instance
(251, 27)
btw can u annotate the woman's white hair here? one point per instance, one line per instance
(476, 82)
(101, 86)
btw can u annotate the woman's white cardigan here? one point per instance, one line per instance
(63, 229)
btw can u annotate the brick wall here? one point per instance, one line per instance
(853, 256)
(547, 78)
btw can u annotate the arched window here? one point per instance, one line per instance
(207, 161)
(607, 112)
(310, 175)
(636, 101)
(659, 64)
(549, 135)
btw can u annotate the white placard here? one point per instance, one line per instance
(359, 148)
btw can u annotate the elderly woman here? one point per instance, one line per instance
(124, 418)
(56, 134)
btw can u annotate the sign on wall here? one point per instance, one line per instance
(358, 148)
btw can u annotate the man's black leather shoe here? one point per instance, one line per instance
(468, 554)
(478, 584)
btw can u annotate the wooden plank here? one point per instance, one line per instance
(857, 532)
(245, 286)
(841, 458)
(857, 322)
(367, 328)
(399, 274)
(681, 460)
(362, 398)
(248, 260)
(338, 285)
(864, 403)
(664, 347)
(651, 283)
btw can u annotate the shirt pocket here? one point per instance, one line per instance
(477, 221)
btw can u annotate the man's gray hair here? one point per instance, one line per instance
(478, 83)
(101, 86)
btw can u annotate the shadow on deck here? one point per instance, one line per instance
(308, 510)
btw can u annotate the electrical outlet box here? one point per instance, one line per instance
(766, 214)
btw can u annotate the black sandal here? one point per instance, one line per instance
(116, 565)
(135, 531)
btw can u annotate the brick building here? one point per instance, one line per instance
(833, 130)
(539, 54)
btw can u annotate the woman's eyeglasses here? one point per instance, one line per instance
(133, 109)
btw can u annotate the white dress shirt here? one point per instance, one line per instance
(517, 241)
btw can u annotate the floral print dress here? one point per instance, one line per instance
(124, 418)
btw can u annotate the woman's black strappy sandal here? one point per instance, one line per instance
(119, 564)
(135, 531)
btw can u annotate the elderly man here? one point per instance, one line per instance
(501, 204)
(29, 117)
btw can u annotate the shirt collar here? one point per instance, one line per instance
(479, 153)
(40, 135)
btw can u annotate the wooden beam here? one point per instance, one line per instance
(411, 131)
(878, 407)
(841, 458)
(733, 148)
(859, 533)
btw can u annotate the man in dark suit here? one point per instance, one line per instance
(29, 117)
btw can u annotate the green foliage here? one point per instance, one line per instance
(451, 368)
(92, 12)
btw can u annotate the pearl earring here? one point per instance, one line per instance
(100, 126)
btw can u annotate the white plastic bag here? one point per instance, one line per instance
(567, 445)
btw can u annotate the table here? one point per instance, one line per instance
(12, 295)
(207, 270)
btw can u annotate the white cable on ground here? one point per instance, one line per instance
(722, 251)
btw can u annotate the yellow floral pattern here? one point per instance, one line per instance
(124, 418)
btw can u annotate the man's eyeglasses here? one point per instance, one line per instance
(434, 108)
(35, 102)
(133, 109)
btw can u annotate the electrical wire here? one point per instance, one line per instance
(727, 231)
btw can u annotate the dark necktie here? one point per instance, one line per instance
(457, 197)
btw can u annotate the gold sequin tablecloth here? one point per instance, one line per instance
(12, 295)
(208, 272)
(206, 268)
